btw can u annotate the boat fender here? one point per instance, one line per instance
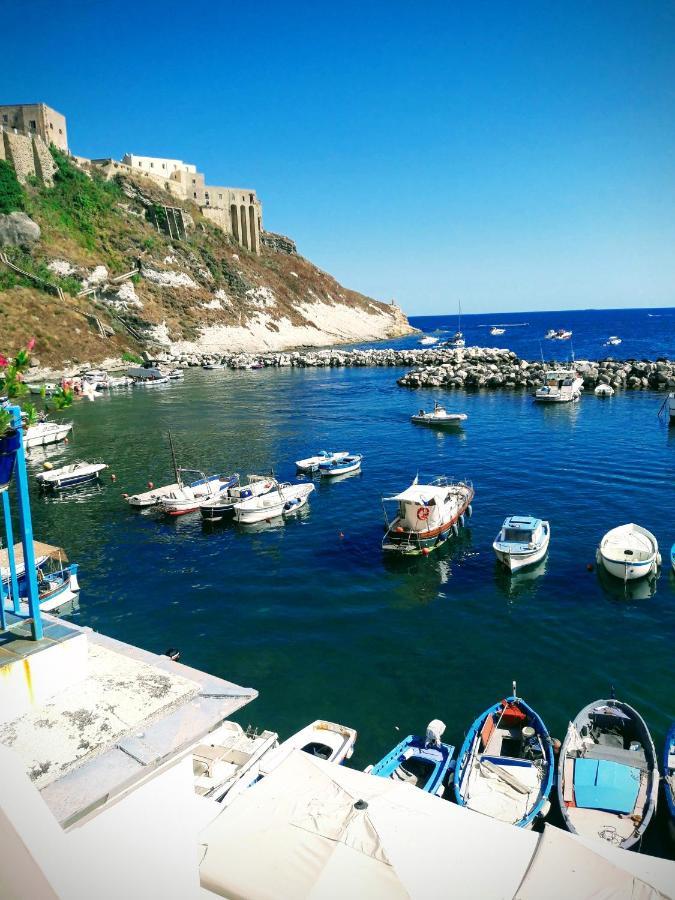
(469, 510)
(113, 477)
(455, 529)
(47, 466)
(423, 513)
(461, 521)
(598, 557)
(66, 441)
(425, 551)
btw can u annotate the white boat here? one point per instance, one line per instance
(152, 496)
(427, 515)
(563, 385)
(115, 382)
(312, 463)
(44, 433)
(327, 740)
(439, 417)
(495, 330)
(213, 365)
(559, 335)
(604, 390)
(428, 340)
(629, 552)
(522, 541)
(612, 341)
(187, 498)
(671, 408)
(457, 340)
(287, 498)
(70, 476)
(227, 761)
(48, 388)
(175, 374)
(344, 466)
(216, 508)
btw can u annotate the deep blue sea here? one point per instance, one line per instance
(311, 613)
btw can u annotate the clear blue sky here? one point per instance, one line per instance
(516, 155)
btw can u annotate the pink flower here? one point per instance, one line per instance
(30, 344)
(3, 362)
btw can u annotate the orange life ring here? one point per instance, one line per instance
(423, 513)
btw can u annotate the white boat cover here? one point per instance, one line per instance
(297, 834)
(563, 867)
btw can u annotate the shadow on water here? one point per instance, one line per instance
(628, 591)
(518, 585)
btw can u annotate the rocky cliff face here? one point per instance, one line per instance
(201, 294)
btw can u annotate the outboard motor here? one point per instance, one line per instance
(435, 730)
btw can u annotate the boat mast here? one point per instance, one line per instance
(173, 459)
(459, 317)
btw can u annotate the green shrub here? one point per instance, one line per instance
(132, 358)
(11, 192)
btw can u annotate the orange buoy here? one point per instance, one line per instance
(150, 485)
(589, 567)
(125, 495)
(425, 551)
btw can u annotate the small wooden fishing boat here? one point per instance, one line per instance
(427, 515)
(227, 761)
(669, 773)
(327, 740)
(188, 498)
(70, 476)
(608, 776)
(422, 762)
(629, 552)
(439, 417)
(523, 541)
(44, 433)
(342, 466)
(505, 768)
(312, 463)
(216, 508)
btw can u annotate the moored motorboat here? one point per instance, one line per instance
(70, 476)
(284, 498)
(613, 341)
(438, 418)
(186, 498)
(669, 773)
(562, 385)
(427, 340)
(522, 541)
(505, 767)
(604, 390)
(608, 777)
(216, 508)
(211, 366)
(495, 330)
(427, 515)
(558, 335)
(46, 389)
(312, 463)
(344, 466)
(425, 763)
(227, 761)
(629, 551)
(296, 496)
(327, 740)
(44, 433)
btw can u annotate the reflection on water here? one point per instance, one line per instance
(635, 589)
(521, 583)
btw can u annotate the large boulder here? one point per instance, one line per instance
(18, 230)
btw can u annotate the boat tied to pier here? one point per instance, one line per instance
(425, 762)
(439, 417)
(427, 515)
(562, 385)
(505, 767)
(522, 541)
(608, 776)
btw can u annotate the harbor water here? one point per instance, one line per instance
(313, 615)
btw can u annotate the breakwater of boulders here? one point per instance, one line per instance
(471, 367)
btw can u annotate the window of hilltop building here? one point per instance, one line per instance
(152, 165)
(51, 125)
(195, 193)
(32, 125)
(4, 119)
(164, 165)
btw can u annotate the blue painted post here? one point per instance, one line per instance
(26, 525)
(3, 617)
(9, 534)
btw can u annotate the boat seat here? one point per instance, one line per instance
(634, 758)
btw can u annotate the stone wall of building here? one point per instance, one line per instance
(19, 152)
(45, 167)
(37, 119)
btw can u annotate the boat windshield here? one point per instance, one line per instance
(517, 536)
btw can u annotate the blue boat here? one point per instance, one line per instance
(341, 466)
(505, 768)
(669, 773)
(422, 762)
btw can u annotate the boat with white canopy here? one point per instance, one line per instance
(57, 581)
(608, 776)
(427, 515)
(439, 417)
(562, 385)
(629, 552)
(522, 541)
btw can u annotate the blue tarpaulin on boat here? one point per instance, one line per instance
(601, 784)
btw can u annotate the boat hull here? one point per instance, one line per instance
(414, 543)
(517, 561)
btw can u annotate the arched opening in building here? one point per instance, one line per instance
(251, 222)
(244, 229)
(234, 216)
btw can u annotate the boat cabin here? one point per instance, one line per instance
(423, 507)
(521, 530)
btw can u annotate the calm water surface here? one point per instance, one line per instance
(311, 613)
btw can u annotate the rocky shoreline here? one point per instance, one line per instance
(472, 367)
